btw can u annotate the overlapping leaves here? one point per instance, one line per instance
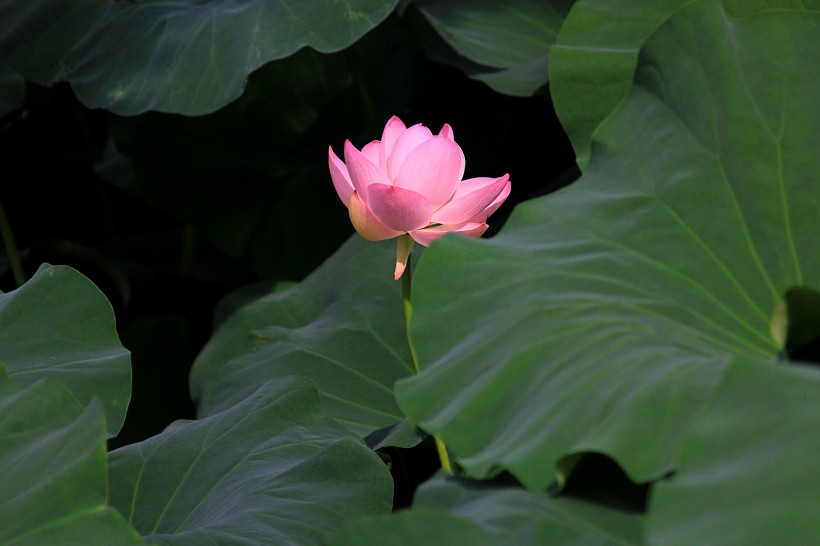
(504, 44)
(592, 71)
(270, 469)
(67, 388)
(60, 326)
(474, 513)
(604, 315)
(52, 456)
(628, 315)
(343, 328)
(267, 468)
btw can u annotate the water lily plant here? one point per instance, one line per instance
(409, 185)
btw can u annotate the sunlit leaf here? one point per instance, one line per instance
(594, 58)
(603, 315)
(747, 465)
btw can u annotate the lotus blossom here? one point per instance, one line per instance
(408, 185)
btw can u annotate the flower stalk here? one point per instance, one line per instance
(11, 249)
(406, 293)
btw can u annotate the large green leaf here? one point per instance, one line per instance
(594, 58)
(748, 465)
(343, 328)
(59, 325)
(189, 57)
(603, 315)
(450, 511)
(52, 469)
(271, 469)
(504, 44)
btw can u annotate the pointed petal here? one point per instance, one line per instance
(340, 176)
(470, 198)
(397, 208)
(433, 169)
(366, 223)
(404, 245)
(497, 202)
(425, 236)
(363, 172)
(374, 151)
(406, 143)
(447, 131)
(392, 131)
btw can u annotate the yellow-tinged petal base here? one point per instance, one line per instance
(404, 245)
(366, 222)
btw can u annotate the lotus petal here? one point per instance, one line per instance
(433, 169)
(447, 131)
(406, 143)
(363, 172)
(366, 223)
(340, 176)
(374, 151)
(425, 236)
(471, 197)
(482, 216)
(398, 208)
(392, 131)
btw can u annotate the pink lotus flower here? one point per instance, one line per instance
(409, 185)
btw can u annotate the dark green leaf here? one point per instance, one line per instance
(411, 528)
(59, 325)
(52, 456)
(505, 44)
(343, 328)
(271, 469)
(189, 57)
(451, 511)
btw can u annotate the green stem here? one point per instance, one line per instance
(406, 293)
(11, 249)
(443, 456)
